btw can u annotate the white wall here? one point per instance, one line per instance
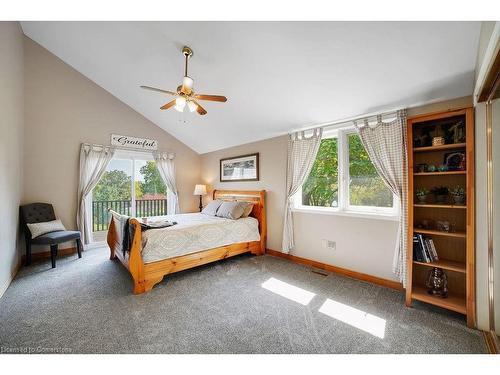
(11, 146)
(64, 109)
(363, 245)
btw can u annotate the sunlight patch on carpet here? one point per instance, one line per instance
(354, 317)
(289, 291)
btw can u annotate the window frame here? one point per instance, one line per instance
(344, 207)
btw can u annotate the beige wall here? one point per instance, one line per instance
(363, 244)
(11, 146)
(64, 109)
(272, 179)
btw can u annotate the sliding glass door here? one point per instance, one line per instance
(130, 186)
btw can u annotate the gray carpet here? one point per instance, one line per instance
(86, 306)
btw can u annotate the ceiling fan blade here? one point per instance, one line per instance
(158, 90)
(212, 98)
(199, 108)
(168, 105)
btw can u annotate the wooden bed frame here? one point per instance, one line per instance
(147, 275)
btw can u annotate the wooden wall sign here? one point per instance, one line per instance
(133, 142)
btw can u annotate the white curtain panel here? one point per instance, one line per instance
(385, 143)
(93, 162)
(302, 152)
(166, 167)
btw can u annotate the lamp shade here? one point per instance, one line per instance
(200, 190)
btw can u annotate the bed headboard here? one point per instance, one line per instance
(257, 197)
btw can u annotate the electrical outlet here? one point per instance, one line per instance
(328, 244)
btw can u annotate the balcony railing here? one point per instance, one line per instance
(143, 208)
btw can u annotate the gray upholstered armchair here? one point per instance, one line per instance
(41, 212)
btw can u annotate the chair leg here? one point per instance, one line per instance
(28, 253)
(79, 247)
(53, 254)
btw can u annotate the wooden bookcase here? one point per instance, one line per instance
(456, 248)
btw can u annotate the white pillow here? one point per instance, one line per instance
(231, 210)
(211, 208)
(37, 229)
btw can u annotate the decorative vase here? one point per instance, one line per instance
(422, 198)
(442, 168)
(437, 282)
(459, 199)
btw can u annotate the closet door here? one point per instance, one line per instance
(495, 117)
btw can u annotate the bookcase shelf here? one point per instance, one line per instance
(453, 302)
(440, 206)
(445, 264)
(454, 249)
(452, 146)
(449, 173)
(440, 233)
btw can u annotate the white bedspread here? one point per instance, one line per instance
(195, 232)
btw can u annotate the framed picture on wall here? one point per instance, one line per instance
(240, 168)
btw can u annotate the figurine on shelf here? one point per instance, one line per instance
(443, 225)
(458, 132)
(437, 282)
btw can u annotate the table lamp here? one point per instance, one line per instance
(200, 190)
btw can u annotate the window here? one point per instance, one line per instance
(343, 178)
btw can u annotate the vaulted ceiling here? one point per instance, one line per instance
(278, 76)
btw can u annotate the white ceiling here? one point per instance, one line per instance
(278, 76)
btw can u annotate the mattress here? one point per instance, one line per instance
(193, 233)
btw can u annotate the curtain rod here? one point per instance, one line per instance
(128, 149)
(347, 120)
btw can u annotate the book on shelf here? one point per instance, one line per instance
(433, 249)
(424, 249)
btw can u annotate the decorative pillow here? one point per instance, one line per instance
(231, 210)
(37, 229)
(211, 208)
(247, 210)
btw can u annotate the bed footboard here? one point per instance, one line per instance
(133, 259)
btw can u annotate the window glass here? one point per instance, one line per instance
(114, 190)
(321, 187)
(150, 190)
(366, 188)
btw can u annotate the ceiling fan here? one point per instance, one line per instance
(185, 95)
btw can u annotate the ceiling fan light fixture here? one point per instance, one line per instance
(187, 82)
(184, 94)
(180, 103)
(192, 106)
